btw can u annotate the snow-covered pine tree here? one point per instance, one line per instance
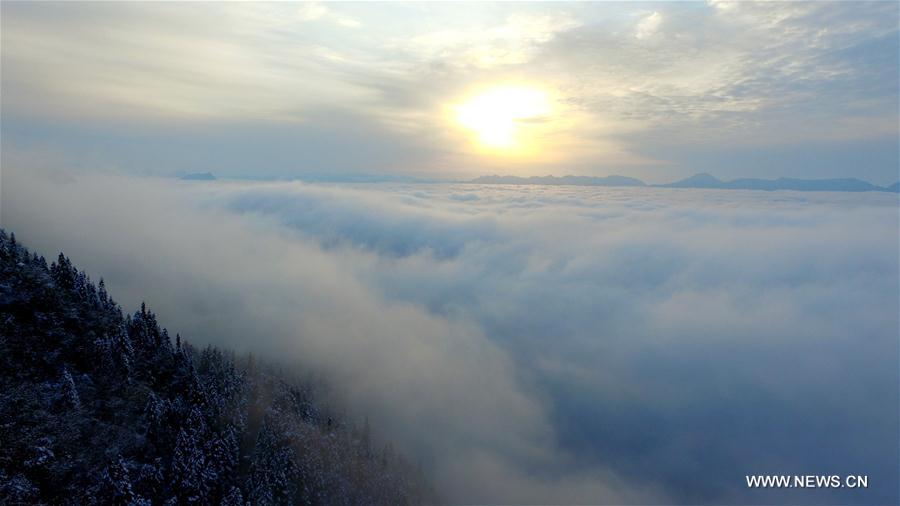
(69, 392)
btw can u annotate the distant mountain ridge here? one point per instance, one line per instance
(704, 180)
(564, 180)
(199, 176)
(701, 180)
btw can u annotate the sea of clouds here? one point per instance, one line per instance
(532, 344)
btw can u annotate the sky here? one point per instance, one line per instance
(657, 91)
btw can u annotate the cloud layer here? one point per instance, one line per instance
(532, 344)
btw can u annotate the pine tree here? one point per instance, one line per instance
(63, 273)
(101, 289)
(233, 498)
(70, 393)
(115, 485)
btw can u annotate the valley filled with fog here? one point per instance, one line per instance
(531, 343)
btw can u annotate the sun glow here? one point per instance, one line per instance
(504, 119)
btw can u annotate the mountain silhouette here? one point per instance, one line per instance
(702, 180)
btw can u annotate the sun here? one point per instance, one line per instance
(503, 118)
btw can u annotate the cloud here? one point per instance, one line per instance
(749, 74)
(133, 63)
(311, 11)
(513, 42)
(434, 385)
(348, 22)
(630, 85)
(648, 26)
(533, 344)
(314, 11)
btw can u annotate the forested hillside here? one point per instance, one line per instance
(100, 407)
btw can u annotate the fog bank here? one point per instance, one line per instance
(531, 344)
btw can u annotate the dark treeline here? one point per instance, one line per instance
(99, 407)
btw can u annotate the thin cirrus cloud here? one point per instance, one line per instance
(534, 344)
(657, 91)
